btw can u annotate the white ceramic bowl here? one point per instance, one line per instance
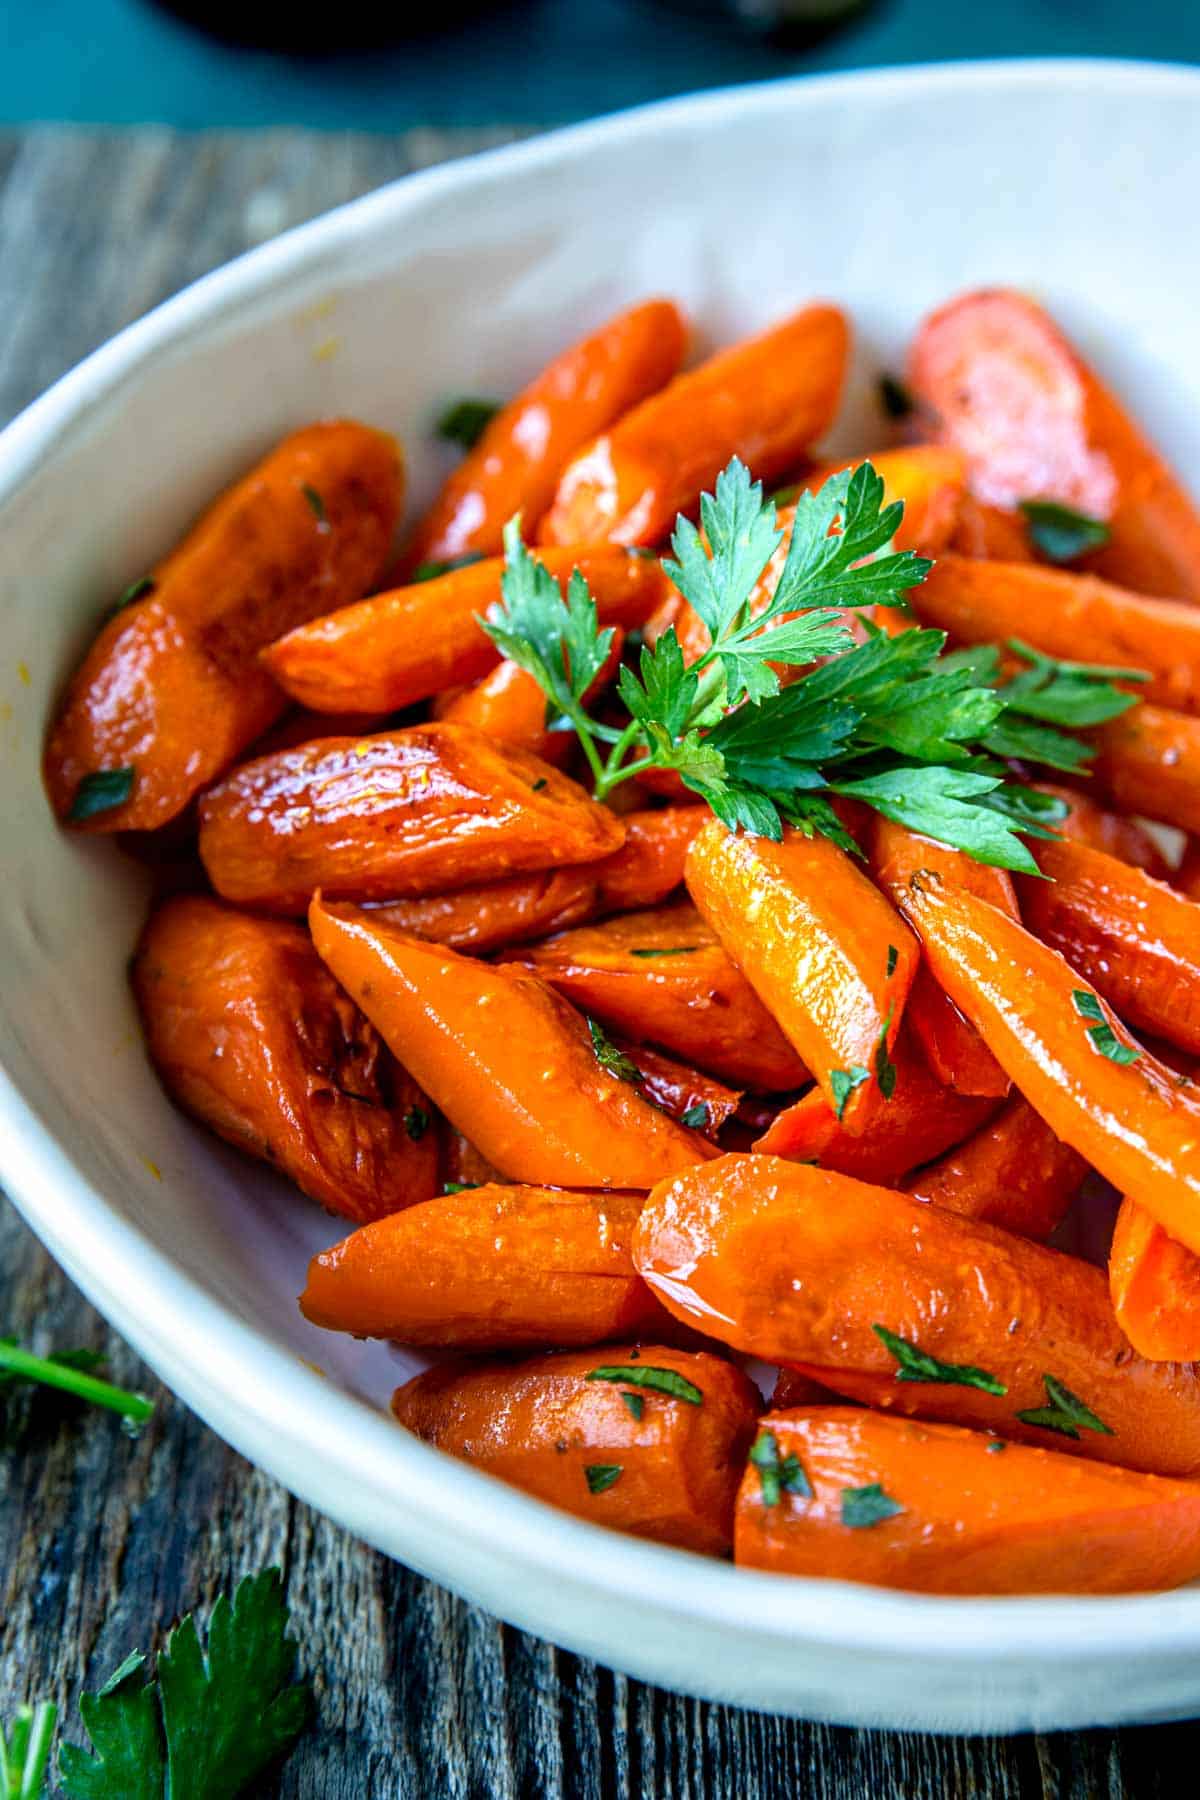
(884, 191)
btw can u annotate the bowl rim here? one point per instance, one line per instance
(328, 1446)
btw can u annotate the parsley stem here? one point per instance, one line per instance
(612, 773)
(24, 1769)
(28, 1367)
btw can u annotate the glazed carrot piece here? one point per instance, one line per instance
(949, 1515)
(498, 914)
(667, 1470)
(1073, 617)
(1155, 1286)
(508, 705)
(506, 1059)
(1012, 1172)
(170, 691)
(799, 1265)
(251, 1035)
(463, 1165)
(827, 955)
(766, 400)
(794, 1389)
(650, 863)
(955, 1051)
(923, 1119)
(1130, 1118)
(989, 531)
(1148, 762)
(515, 466)
(491, 1268)
(1135, 939)
(412, 812)
(1034, 422)
(1087, 822)
(663, 976)
(410, 643)
(686, 1094)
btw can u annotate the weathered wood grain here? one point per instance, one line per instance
(104, 1540)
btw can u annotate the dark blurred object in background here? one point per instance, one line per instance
(784, 21)
(309, 30)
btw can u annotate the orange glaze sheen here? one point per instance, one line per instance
(954, 1049)
(1135, 939)
(812, 936)
(1132, 1122)
(1034, 422)
(462, 1163)
(251, 1035)
(499, 914)
(796, 1265)
(509, 705)
(1088, 822)
(766, 400)
(920, 1121)
(689, 997)
(650, 863)
(492, 1268)
(988, 531)
(974, 1520)
(1148, 762)
(171, 687)
(1155, 1288)
(541, 1424)
(404, 813)
(1013, 1172)
(505, 1058)
(1076, 617)
(678, 1089)
(515, 466)
(410, 643)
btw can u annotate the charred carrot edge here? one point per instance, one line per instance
(660, 1457)
(765, 400)
(1036, 423)
(1065, 1051)
(515, 466)
(903, 1306)
(508, 1062)
(1155, 1287)
(1135, 939)
(1012, 1172)
(819, 944)
(854, 1496)
(170, 691)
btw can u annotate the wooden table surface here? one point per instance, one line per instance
(104, 1540)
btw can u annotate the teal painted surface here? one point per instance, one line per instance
(122, 62)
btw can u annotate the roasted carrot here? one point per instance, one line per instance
(1034, 422)
(1135, 939)
(798, 1265)
(250, 1034)
(463, 1165)
(1155, 1286)
(1074, 617)
(940, 1510)
(955, 1051)
(766, 400)
(1012, 1172)
(666, 1469)
(794, 1389)
(1148, 762)
(509, 705)
(491, 1268)
(508, 1061)
(497, 914)
(1087, 822)
(405, 813)
(662, 976)
(650, 863)
(170, 691)
(687, 1094)
(827, 955)
(1100, 1093)
(921, 1120)
(989, 531)
(515, 466)
(405, 645)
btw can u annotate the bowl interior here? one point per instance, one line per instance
(885, 193)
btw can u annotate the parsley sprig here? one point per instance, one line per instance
(71, 1370)
(922, 737)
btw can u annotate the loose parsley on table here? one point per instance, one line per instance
(923, 737)
(72, 1372)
